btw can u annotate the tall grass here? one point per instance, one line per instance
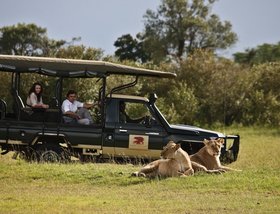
(108, 188)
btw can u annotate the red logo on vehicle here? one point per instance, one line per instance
(138, 140)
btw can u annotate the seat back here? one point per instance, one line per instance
(18, 105)
(54, 103)
(3, 109)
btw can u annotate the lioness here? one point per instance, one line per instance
(177, 164)
(209, 156)
(183, 158)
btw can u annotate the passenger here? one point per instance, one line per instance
(124, 117)
(34, 99)
(75, 111)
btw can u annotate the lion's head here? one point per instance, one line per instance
(214, 146)
(169, 150)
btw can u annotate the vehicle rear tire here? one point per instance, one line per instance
(50, 156)
(28, 154)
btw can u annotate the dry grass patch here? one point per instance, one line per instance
(108, 188)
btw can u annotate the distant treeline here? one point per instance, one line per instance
(209, 90)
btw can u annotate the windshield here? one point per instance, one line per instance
(159, 114)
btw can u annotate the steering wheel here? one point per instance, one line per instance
(148, 120)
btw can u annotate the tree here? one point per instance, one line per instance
(50, 47)
(178, 27)
(220, 86)
(129, 48)
(26, 39)
(262, 54)
(31, 40)
(79, 52)
(263, 99)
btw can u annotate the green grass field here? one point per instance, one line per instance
(108, 188)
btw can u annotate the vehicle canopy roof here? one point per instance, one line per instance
(73, 68)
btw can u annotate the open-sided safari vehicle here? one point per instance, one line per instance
(50, 139)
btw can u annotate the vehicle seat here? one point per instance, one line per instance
(54, 103)
(3, 109)
(22, 113)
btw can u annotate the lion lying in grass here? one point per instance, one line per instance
(183, 157)
(209, 156)
(177, 164)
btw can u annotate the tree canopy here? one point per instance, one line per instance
(177, 28)
(261, 54)
(129, 48)
(209, 89)
(27, 39)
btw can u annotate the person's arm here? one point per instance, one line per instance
(138, 120)
(89, 105)
(67, 111)
(42, 104)
(34, 102)
(130, 120)
(65, 107)
(72, 114)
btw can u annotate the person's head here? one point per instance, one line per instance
(37, 89)
(71, 95)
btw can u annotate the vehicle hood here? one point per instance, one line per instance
(197, 130)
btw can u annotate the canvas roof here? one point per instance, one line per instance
(73, 67)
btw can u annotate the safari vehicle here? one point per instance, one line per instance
(53, 140)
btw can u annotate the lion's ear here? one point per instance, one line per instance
(178, 146)
(221, 140)
(205, 141)
(170, 143)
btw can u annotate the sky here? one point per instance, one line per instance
(100, 22)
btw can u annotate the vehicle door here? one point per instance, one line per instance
(141, 135)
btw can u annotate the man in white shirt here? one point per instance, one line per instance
(75, 111)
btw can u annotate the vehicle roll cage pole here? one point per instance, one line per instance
(102, 93)
(58, 90)
(125, 86)
(15, 81)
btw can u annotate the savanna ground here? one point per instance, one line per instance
(108, 188)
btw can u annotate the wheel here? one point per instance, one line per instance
(49, 156)
(65, 156)
(148, 121)
(28, 154)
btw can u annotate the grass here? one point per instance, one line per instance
(108, 188)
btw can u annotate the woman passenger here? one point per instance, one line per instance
(34, 99)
